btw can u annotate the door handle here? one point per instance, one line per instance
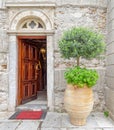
(38, 66)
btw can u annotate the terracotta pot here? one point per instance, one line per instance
(78, 103)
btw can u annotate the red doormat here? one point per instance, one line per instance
(28, 115)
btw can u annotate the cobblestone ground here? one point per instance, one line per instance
(57, 121)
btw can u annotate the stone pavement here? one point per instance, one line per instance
(57, 121)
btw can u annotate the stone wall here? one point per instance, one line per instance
(109, 91)
(66, 16)
(68, 13)
(3, 61)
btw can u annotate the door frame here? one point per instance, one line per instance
(19, 38)
(13, 67)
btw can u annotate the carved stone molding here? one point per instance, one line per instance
(30, 4)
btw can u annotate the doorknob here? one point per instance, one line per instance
(38, 66)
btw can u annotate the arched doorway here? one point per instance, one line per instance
(29, 27)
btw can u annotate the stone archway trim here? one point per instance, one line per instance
(30, 13)
(44, 32)
(30, 4)
(13, 55)
(13, 77)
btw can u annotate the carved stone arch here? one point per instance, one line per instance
(31, 23)
(22, 15)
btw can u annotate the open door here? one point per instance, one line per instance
(30, 71)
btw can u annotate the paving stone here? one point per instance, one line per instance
(52, 119)
(51, 128)
(28, 125)
(66, 121)
(103, 121)
(91, 122)
(93, 129)
(9, 125)
(58, 121)
(108, 128)
(76, 129)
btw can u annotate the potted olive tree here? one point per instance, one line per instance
(80, 43)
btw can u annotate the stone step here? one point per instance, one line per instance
(32, 107)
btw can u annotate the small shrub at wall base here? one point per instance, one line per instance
(81, 77)
(106, 113)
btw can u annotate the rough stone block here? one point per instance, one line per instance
(110, 82)
(110, 70)
(3, 82)
(101, 80)
(3, 107)
(110, 59)
(3, 61)
(98, 101)
(59, 104)
(110, 37)
(4, 46)
(3, 97)
(112, 116)
(60, 83)
(110, 24)
(110, 49)
(59, 98)
(110, 4)
(1, 4)
(109, 98)
(110, 14)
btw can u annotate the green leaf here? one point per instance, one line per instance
(81, 76)
(81, 42)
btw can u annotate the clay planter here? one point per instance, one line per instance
(78, 103)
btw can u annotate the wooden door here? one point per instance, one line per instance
(28, 72)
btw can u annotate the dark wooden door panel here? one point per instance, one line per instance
(25, 71)
(28, 74)
(33, 71)
(33, 88)
(25, 51)
(26, 90)
(33, 54)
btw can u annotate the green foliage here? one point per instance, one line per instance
(81, 77)
(106, 113)
(81, 42)
(85, 43)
